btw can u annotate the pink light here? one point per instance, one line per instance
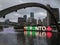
(49, 28)
(49, 35)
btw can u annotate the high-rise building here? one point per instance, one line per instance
(32, 21)
(45, 21)
(21, 20)
(56, 14)
(39, 22)
(7, 21)
(49, 17)
(25, 17)
(32, 14)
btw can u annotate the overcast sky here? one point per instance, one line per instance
(38, 11)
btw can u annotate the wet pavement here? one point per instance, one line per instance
(10, 37)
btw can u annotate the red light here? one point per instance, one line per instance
(49, 35)
(49, 28)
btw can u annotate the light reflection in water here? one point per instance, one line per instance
(22, 39)
(37, 39)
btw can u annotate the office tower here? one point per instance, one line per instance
(25, 17)
(20, 19)
(7, 21)
(39, 22)
(56, 14)
(50, 19)
(45, 21)
(32, 14)
(32, 21)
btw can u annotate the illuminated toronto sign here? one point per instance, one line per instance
(31, 30)
(38, 28)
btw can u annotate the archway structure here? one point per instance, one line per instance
(25, 5)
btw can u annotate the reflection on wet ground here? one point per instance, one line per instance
(21, 39)
(36, 40)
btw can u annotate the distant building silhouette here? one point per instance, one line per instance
(20, 20)
(56, 14)
(39, 22)
(32, 14)
(25, 17)
(32, 21)
(45, 21)
(7, 21)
